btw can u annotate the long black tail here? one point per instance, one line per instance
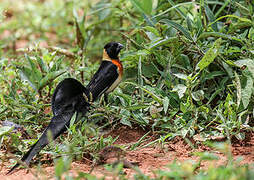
(56, 127)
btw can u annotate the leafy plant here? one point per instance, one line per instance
(39, 74)
(188, 71)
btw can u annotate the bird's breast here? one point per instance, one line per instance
(120, 75)
(119, 66)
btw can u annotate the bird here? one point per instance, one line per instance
(109, 74)
(68, 98)
(71, 96)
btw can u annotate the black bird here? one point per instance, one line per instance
(71, 96)
(67, 99)
(109, 74)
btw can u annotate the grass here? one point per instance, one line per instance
(188, 71)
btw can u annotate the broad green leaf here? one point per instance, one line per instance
(136, 107)
(238, 89)
(140, 118)
(56, 65)
(251, 33)
(240, 136)
(211, 17)
(214, 74)
(147, 6)
(140, 79)
(125, 121)
(198, 95)
(199, 26)
(148, 71)
(126, 98)
(244, 10)
(210, 55)
(154, 110)
(247, 91)
(50, 77)
(143, 52)
(174, 7)
(165, 104)
(242, 115)
(180, 89)
(162, 42)
(234, 16)
(152, 37)
(206, 155)
(75, 14)
(5, 130)
(177, 9)
(152, 30)
(222, 8)
(26, 74)
(73, 119)
(125, 116)
(178, 27)
(34, 69)
(246, 62)
(42, 65)
(153, 95)
(228, 68)
(61, 166)
(80, 28)
(144, 6)
(219, 35)
(184, 132)
(180, 76)
(189, 23)
(79, 35)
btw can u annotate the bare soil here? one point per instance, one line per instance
(148, 159)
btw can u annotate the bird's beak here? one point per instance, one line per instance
(120, 46)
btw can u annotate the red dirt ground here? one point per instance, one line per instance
(148, 158)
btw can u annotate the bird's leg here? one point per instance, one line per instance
(106, 98)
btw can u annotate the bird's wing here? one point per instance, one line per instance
(102, 79)
(64, 95)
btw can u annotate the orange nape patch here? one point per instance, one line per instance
(119, 65)
(105, 56)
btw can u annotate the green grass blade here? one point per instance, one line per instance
(211, 17)
(219, 35)
(178, 27)
(42, 65)
(173, 7)
(177, 9)
(27, 74)
(234, 16)
(35, 72)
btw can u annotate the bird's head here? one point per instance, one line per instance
(112, 50)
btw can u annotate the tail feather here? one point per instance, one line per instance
(57, 126)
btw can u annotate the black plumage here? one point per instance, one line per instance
(67, 99)
(102, 79)
(109, 74)
(68, 96)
